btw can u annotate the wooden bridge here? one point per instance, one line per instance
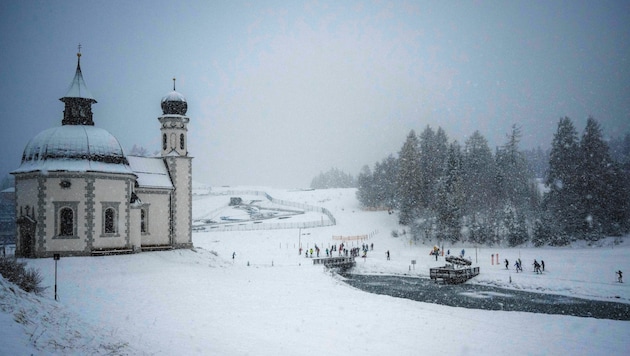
(335, 262)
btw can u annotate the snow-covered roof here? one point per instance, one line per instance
(173, 96)
(77, 88)
(174, 103)
(151, 172)
(74, 148)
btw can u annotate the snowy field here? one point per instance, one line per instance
(269, 300)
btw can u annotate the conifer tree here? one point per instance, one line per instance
(409, 179)
(600, 185)
(450, 197)
(562, 201)
(365, 187)
(385, 180)
(514, 180)
(478, 168)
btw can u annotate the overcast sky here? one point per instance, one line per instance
(279, 91)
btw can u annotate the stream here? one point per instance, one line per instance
(474, 296)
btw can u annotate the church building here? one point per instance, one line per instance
(78, 194)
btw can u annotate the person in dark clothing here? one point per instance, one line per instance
(387, 255)
(507, 264)
(542, 264)
(537, 267)
(620, 278)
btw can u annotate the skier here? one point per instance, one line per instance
(536, 267)
(542, 263)
(507, 264)
(517, 265)
(233, 255)
(620, 278)
(463, 252)
(387, 253)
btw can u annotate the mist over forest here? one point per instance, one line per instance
(442, 190)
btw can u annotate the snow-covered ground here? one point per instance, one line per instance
(269, 300)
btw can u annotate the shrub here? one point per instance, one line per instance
(16, 272)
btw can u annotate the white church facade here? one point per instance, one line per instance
(78, 194)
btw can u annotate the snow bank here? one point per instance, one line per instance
(270, 300)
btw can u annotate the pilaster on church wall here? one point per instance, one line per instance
(184, 201)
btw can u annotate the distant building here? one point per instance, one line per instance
(7, 211)
(77, 193)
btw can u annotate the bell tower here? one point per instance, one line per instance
(174, 122)
(174, 142)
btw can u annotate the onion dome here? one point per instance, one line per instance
(74, 148)
(174, 103)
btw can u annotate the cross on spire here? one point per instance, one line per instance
(173, 83)
(79, 53)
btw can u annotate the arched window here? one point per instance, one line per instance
(66, 222)
(66, 216)
(143, 221)
(110, 221)
(164, 141)
(181, 141)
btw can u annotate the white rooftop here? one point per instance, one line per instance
(151, 172)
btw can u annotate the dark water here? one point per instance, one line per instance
(486, 297)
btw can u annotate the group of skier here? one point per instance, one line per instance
(539, 268)
(354, 252)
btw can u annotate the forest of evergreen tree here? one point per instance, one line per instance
(579, 189)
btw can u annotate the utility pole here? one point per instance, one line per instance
(56, 258)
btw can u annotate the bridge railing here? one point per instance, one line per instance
(334, 261)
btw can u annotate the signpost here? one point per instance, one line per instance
(56, 258)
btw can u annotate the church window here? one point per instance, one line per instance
(164, 141)
(66, 219)
(181, 141)
(110, 219)
(173, 143)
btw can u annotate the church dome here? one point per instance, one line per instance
(174, 103)
(74, 148)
